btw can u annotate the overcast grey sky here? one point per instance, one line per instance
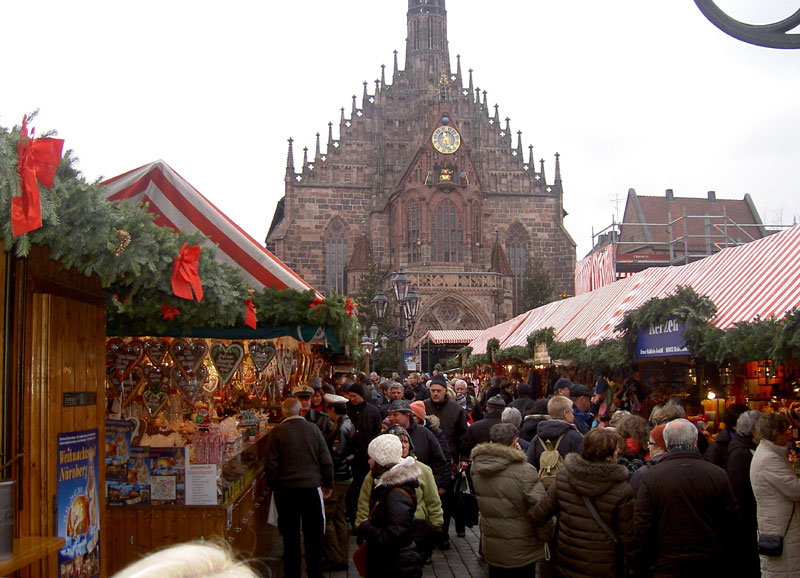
(632, 93)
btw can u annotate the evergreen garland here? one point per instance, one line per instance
(79, 226)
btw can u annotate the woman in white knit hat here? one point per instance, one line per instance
(388, 530)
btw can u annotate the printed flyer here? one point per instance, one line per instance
(168, 475)
(78, 510)
(118, 443)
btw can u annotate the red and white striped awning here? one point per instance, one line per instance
(181, 207)
(450, 336)
(761, 278)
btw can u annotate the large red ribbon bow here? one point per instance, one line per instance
(37, 161)
(250, 312)
(186, 275)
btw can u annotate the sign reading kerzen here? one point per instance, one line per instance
(662, 340)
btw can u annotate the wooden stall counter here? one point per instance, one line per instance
(28, 550)
(134, 531)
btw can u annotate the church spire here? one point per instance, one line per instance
(316, 153)
(290, 160)
(558, 168)
(426, 42)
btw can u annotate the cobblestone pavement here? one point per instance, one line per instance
(460, 561)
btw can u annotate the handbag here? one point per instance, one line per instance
(464, 502)
(772, 544)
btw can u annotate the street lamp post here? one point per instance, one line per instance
(408, 300)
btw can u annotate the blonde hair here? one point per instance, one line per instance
(189, 560)
(558, 405)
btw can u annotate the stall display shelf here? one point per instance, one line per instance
(28, 550)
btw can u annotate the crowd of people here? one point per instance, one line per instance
(575, 483)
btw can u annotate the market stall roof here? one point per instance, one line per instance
(450, 336)
(761, 278)
(178, 205)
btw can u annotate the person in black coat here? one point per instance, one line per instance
(426, 446)
(559, 408)
(717, 452)
(531, 420)
(478, 432)
(740, 454)
(366, 419)
(388, 531)
(686, 517)
(524, 402)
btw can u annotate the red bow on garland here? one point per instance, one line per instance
(186, 275)
(316, 301)
(37, 160)
(250, 312)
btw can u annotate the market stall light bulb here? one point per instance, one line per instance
(712, 395)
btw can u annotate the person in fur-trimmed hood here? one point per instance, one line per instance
(506, 487)
(584, 549)
(388, 530)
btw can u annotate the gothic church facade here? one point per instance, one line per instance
(425, 177)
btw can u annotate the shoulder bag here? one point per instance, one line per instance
(772, 544)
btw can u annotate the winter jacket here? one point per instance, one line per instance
(340, 444)
(551, 430)
(366, 420)
(452, 420)
(420, 393)
(583, 548)
(524, 402)
(389, 529)
(297, 456)
(717, 452)
(506, 487)
(583, 420)
(478, 432)
(432, 423)
(687, 519)
(637, 476)
(740, 454)
(777, 492)
(321, 420)
(429, 504)
(428, 451)
(530, 424)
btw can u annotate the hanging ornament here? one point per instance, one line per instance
(124, 239)
(250, 312)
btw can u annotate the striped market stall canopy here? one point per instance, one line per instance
(761, 278)
(178, 205)
(450, 336)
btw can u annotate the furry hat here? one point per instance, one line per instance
(386, 450)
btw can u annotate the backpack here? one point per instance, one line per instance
(550, 462)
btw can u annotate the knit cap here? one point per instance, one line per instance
(418, 407)
(496, 402)
(359, 389)
(386, 450)
(657, 433)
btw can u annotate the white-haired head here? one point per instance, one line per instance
(511, 415)
(680, 434)
(746, 424)
(189, 560)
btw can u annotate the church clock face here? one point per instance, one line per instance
(446, 140)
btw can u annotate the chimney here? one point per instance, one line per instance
(670, 196)
(712, 196)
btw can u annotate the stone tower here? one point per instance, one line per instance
(425, 176)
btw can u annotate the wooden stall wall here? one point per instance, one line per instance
(56, 345)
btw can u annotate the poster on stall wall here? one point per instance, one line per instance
(118, 442)
(168, 475)
(78, 511)
(135, 489)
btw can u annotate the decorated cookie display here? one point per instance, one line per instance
(157, 376)
(227, 359)
(154, 402)
(188, 356)
(261, 354)
(190, 383)
(124, 357)
(156, 350)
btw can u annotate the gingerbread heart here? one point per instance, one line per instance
(188, 356)
(157, 376)
(226, 359)
(261, 353)
(129, 386)
(156, 349)
(260, 387)
(190, 383)
(112, 346)
(317, 366)
(211, 383)
(154, 402)
(125, 357)
(285, 359)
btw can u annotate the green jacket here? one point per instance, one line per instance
(507, 486)
(429, 506)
